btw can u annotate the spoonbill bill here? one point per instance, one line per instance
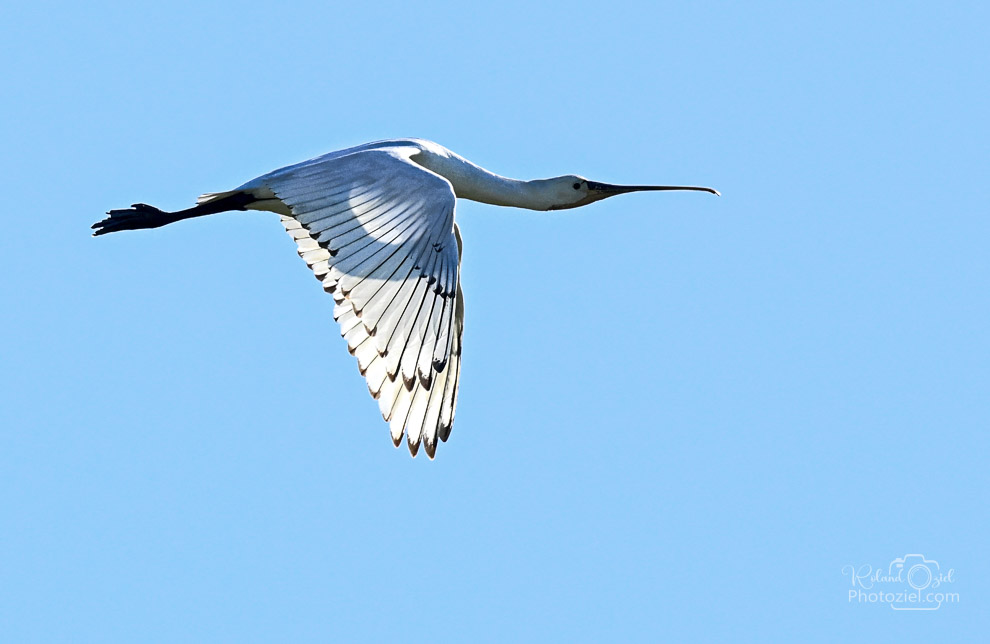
(375, 223)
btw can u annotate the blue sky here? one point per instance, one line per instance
(680, 416)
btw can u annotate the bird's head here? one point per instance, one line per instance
(572, 191)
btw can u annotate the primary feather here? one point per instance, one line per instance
(378, 231)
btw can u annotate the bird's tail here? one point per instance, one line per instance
(214, 196)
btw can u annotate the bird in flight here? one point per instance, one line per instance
(375, 223)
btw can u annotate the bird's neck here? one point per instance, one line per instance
(477, 184)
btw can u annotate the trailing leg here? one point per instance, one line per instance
(141, 215)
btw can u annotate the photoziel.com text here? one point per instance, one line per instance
(911, 582)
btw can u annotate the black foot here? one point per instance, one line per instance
(140, 215)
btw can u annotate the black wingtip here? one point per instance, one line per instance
(413, 447)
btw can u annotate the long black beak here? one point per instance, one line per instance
(610, 189)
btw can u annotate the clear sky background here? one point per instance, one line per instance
(680, 416)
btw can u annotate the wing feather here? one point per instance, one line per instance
(378, 230)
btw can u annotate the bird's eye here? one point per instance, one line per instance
(577, 186)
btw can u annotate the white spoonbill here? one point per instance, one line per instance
(376, 225)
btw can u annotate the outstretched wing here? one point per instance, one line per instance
(378, 230)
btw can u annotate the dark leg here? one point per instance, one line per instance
(141, 215)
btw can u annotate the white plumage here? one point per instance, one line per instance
(375, 224)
